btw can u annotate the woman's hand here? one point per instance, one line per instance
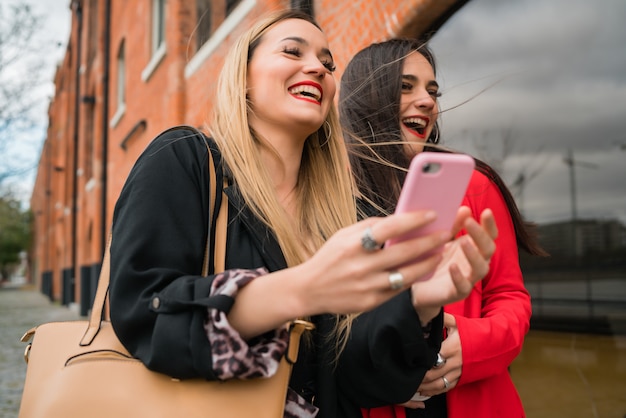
(342, 277)
(347, 278)
(451, 351)
(465, 261)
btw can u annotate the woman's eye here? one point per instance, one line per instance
(407, 86)
(435, 93)
(296, 52)
(292, 51)
(329, 65)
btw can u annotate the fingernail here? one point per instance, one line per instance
(430, 215)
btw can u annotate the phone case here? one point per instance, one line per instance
(435, 181)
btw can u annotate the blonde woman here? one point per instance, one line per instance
(293, 247)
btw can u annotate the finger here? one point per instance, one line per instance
(398, 280)
(477, 261)
(462, 214)
(433, 383)
(449, 320)
(482, 237)
(375, 233)
(488, 221)
(478, 257)
(416, 256)
(414, 405)
(463, 284)
(429, 377)
(432, 388)
(396, 225)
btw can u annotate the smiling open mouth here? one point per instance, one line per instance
(416, 124)
(307, 91)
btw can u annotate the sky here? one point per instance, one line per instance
(53, 34)
(55, 24)
(549, 75)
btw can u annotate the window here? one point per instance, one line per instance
(158, 25)
(209, 16)
(121, 77)
(215, 20)
(89, 152)
(230, 5)
(203, 22)
(92, 29)
(157, 40)
(120, 86)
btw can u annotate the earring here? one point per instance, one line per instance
(327, 134)
(434, 135)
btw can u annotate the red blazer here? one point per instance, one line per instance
(492, 322)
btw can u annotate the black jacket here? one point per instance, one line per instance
(160, 226)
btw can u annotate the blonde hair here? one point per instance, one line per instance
(324, 190)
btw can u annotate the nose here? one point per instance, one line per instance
(315, 67)
(424, 100)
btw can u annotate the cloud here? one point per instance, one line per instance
(553, 75)
(51, 37)
(599, 192)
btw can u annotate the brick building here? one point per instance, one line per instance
(135, 67)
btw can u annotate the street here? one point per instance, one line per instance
(557, 374)
(20, 310)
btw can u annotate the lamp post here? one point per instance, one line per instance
(572, 163)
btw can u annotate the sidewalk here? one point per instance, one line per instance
(21, 308)
(573, 375)
(558, 374)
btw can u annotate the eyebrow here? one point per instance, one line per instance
(411, 77)
(304, 42)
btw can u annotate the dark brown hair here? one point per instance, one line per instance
(369, 108)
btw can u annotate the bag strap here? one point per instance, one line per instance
(102, 291)
(97, 309)
(297, 327)
(219, 251)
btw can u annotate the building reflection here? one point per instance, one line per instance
(576, 348)
(574, 375)
(581, 287)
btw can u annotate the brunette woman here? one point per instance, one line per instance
(389, 110)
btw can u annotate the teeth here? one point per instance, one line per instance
(415, 121)
(307, 90)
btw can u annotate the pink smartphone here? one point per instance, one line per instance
(435, 181)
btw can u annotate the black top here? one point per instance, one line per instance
(160, 227)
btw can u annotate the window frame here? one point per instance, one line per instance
(120, 87)
(158, 47)
(229, 24)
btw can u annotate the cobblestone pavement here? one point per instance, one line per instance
(20, 310)
(557, 374)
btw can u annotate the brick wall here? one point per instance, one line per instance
(177, 88)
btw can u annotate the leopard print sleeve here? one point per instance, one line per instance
(233, 357)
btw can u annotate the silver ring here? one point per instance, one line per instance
(446, 384)
(440, 361)
(396, 280)
(368, 242)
